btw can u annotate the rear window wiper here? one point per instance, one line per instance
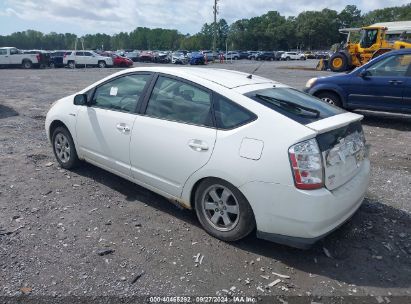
(285, 104)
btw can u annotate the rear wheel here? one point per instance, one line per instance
(27, 64)
(223, 211)
(102, 64)
(64, 149)
(330, 98)
(71, 64)
(339, 62)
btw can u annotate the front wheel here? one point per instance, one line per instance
(223, 211)
(339, 62)
(64, 149)
(330, 98)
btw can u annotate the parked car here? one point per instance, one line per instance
(44, 57)
(265, 56)
(231, 55)
(309, 55)
(213, 140)
(210, 55)
(292, 56)
(253, 54)
(133, 55)
(321, 55)
(146, 56)
(196, 58)
(162, 57)
(56, 59)
(120, 61)
(179, 58)
(73, 59)
(383, 84)
(244, 55)
(13, 57)
(277, 55)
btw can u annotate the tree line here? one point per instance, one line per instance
(270, 31)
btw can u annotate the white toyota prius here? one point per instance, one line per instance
(245, 152)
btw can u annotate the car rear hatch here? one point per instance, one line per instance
(339, 133)
(342, 144)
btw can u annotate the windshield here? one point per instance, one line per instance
(294, 104)
(368, 38)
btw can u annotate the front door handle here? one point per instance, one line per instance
(198, 145)
(123, 128)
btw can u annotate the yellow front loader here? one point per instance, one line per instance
(372, 43)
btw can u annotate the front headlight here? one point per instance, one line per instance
(310, 82)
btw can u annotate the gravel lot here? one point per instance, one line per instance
(53, 222)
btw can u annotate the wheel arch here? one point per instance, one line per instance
(59, 123)
(191, 186)
(333, 90)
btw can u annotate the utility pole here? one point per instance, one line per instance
(215, 11)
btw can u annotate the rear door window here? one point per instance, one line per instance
(176, 100)
(294, 104)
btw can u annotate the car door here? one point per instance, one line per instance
(89, 58)
(4, 57)
(406, 96)
(380, 85)
(80, 58)
(175, 137)
(104, 127)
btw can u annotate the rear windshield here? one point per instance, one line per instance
(294, 104)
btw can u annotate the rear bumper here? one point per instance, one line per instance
(299, 218)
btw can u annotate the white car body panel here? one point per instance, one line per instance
(100, 138)
(253, 157)
(161, 155)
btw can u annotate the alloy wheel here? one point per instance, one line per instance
(62, 147)
(220, 207)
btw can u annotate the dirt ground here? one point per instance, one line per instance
(54, 223)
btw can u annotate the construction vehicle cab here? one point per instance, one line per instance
(362, 45)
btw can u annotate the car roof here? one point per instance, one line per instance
(226, 78)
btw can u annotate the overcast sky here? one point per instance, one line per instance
(187, 16)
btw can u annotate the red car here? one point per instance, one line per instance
(121, 61)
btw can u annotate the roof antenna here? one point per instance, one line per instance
(255, 70)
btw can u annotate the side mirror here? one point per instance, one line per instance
(364, 73)
(80, 100)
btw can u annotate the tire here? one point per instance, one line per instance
(331, 98)
(71, 64)
(64, 149)
(288, 59)
(213, 213)
(102, 64)
(52, 65)
(27, 64)
(338, 62)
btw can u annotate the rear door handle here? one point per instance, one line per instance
(123, 128)
(198, 145)
(395, 82)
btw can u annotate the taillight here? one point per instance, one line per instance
(307, 165)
